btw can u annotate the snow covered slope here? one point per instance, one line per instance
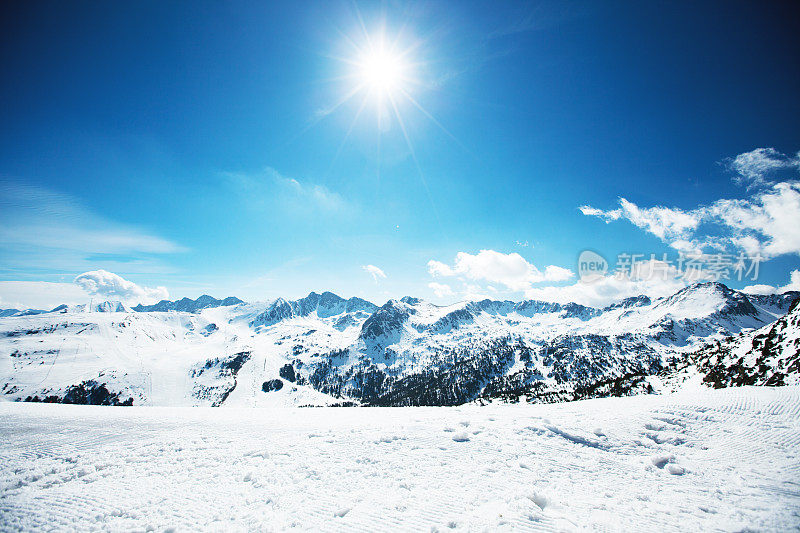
(20, 312)
(767, 356)
(410, 352)
(325, 349)
(710, 460)
(112, 357)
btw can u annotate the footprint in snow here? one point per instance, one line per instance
(668, 461)
(660, 461)
(540, 500)
(389, 438)
(676, 470)
(461, 437)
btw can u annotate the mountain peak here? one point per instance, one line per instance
(631, 301)
(99, 307)
(188, 305)
(702, 288)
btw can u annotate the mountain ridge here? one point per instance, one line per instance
(188, 305)
(325, 349)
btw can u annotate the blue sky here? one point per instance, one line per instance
(197, 146)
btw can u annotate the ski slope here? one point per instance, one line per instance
(725, 460)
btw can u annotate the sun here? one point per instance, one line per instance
(389, 72)
(381, 72)
(386, 73)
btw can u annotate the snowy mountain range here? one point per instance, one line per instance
(188, 305)
(327, 350)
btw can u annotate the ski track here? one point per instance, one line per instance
(722, 460)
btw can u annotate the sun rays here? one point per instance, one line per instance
(383, 81)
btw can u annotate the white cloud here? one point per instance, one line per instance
(752, 168)
(662, 222)
(437, 268)
(292, 195)
(510, 270)
(557, 273)
(441, 290)
(652, 278)
(108, 285)
(41, 228)
(318, 195)
(39, 294)
(608, 216)
(794, 282)
(759, 289)
(374, 271)
(793, 285)
(665, 223)
(765, 223)
(474, 292)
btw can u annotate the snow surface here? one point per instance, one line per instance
(699, 459)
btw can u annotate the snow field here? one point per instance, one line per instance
(713, 460)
